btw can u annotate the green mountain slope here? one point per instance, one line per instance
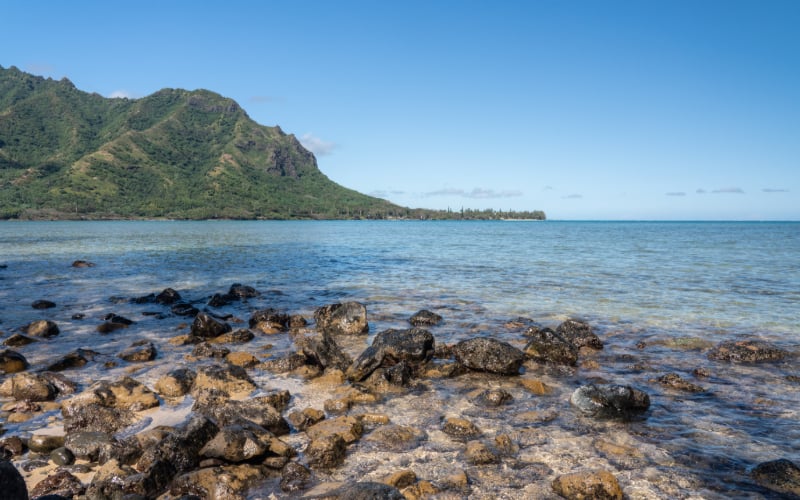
(65, 153)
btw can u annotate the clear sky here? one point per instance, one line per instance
(679, 109)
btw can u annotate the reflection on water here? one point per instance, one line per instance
(659, 294)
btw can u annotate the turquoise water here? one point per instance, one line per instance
(675, 287)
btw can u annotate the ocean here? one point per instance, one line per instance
(659, 294)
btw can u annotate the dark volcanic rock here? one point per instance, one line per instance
(12, 361)
(184, 309)
(18, 340)
(42, 328)
(89, 445)
(220, 300)
(181, 448)
(243, 291)
(237, 443)
(62, 456)
(580, 334)
(12, 485)
(266, 319)
(780, 475)
(610, 401)
(675, 381)
(489, 355)
(206, 350)
(74, 359)
(746, 351)
(61, 483)
(425, 318)
(320, 349)
(11, 447)
(204, 326)
(412, 347)
(294, 477)
(239, 336)
(142, 350)
(259, 410)
(82, 263)
(43, 304)
(227, 378)
(326, 452)
(167, 297)
(349, 318)
(547, 346)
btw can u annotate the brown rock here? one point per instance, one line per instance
(227, 378)
(400, 479)
(176, 383)
(535, 386)
(326, 451)
(301, 420)
(478, 453)
(12, 361)
(349, 428)
(243, 359)
(587, 485)
(397, 437)
(42, 328)
(460, 428)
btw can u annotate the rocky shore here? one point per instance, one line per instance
(330, 415)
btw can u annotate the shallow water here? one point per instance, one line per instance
(677, 287)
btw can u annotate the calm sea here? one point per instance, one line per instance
(678, 286)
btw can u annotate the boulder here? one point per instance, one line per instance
(413, 347)
(397, 438)
(425, 318)
(264, 411)
(294, 477)
(60, 483)
(94, 417)
(301, 420)
(230, 482)
(207, 350)
(326, 452)
(610, 401)
(32, 387)
(62, 456)
(90, 445)
(489, 355)
(181, 448)
(268, 320)
(74, 359)
(12, 361)
(45, 443)
(243, 291)
(227, 378)
(176, 382)
(142, 350)
(548, 346)
(43, 304)
(239, 336)
(746, 351)
(11, 482)
(167, 297)
(42, 328)
(349, 318)
(600, 485)
(580, 334)
(349, 428)
(782, 476)
(183, 309)
(237, 443)
(11, 447)
(478, 453)
(320, 349)
(18, 340)
(460, 429)
(204, 326)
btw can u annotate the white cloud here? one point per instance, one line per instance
(729, 190)
(317, 145)
(773, 190)
(476, 193)
(120, 94)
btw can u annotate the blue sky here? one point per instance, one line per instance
(585, 109)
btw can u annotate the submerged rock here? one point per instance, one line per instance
(580, 334)
(362, 491)
(12, 361)
(142, 350)
(489, 355)
(780, 475)
(393, 437)
(204, 326)
(425, 318)
(74, 359)
(460, 429)
(43, 304)
(82, 263)
(349, 318)
(746, 351)
(675, 381)
(600, 485)
(167, 297)
(18, 340)
(493, 397)
(548, 346)
(42, 328)
(610, 401)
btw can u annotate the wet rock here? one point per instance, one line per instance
(326, 452)
(167, 297)
(175, 383)
(11, 447)
(184, 309)
(268, 320)
(88, 445)
(74, 359)
(82, 263)
(206, 350)
(610, 401)
(489, 355)
(579, 333)
(139, 351)
(364, 491)
(126, 394)
(425, 318)
(94, 417)
(237, 443)
(394, 437)
(43, 304)
(62, 456)
(493, 397)
(746, 351)
(675, 381)
(226, 378)
(181, 448)
(478, 453)
(45, 443)
(294, 477)
(548, 346)
(400, 479)
(12, 485)
(321, 349)
(105, 406)
(264, 411)
(285, 364)
(412, 347)
(204, 326)
(600, 485)
(301, 420)
(349, 318)
(32, 387)
(61, 483)
(780, 475)
(460, 429)
(18, 340)
(243, 359)
(42, 328)
(297, 321)
(349, 428)
(535, 386)
(231, 482)
(12, 361)
(239, 336)
(243, 291)
(220, 300)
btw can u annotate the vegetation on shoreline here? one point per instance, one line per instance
(175, 154)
